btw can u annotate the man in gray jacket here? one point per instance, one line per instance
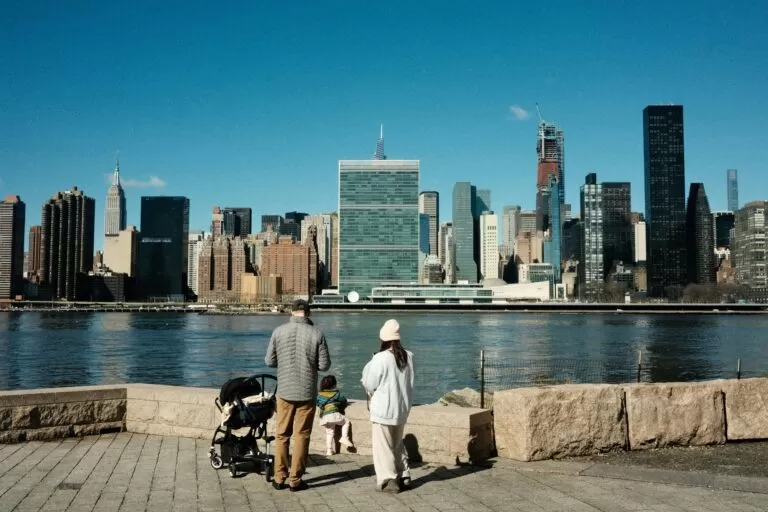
(298, 350)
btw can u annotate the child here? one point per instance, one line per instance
(332, 405)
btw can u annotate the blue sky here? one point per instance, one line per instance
(253, 104)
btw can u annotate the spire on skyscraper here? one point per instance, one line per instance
(116, 177)
(379, 153)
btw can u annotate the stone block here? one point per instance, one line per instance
(48, 433)
(186, 415)
(71, 413)
(746, 409)
(90, 394)
(141, 410)
(13, 436)
(558, 421)
(109, 410)
(6, 418)
(675, 414)
(96, 428)
(25, 416)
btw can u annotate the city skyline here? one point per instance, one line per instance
(466, 112)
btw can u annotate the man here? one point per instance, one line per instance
(298, 350)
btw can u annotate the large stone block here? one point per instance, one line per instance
(72, 413)
(141, 410)
(746, 409)
(6, 418)
(675, 414)
(25, 416)
(13, 436)
(558, 421)
(97, 428)
(107, 411)
(48, 433)
(186, 414)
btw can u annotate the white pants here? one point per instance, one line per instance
(330, 431)
(390, 460)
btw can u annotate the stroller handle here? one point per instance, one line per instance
(262, 377)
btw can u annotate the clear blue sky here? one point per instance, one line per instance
(253, 104)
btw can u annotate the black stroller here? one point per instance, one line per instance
(248, 404)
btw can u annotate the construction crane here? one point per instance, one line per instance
(538, 111)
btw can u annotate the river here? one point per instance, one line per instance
(54, 349)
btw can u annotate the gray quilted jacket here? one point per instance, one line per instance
(298, 350)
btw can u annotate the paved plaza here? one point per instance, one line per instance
(135, 472)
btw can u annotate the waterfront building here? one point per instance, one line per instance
(335, 250)
(617, 223)
(378, 224)
(115, 215)
(261, 289)
(12, 219)
(324, 224)
(163, 249)
(295, 263)
(464, 197)
(67, 232)
(510, 225)
(431, 271)
(537, 273)
(664, 158)
(103, 286)
(700, 237)
(121, 251)
(489, 246)
(639, 238)
(723, 225)
(217, 223)
(449, 252)
(572, 242)
(272, 223)
(237, 221)
(748, 248)
(195, 242)
(732, 177)
(221, 266)
(429, 204)
(35, 246)
(591, 262)
(494, 293)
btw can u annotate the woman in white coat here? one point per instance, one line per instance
(388, 380)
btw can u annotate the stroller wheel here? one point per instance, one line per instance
(232, 469)
(216, 462)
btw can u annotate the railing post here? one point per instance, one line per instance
(738, 369)
(639, 364)
(482, 379)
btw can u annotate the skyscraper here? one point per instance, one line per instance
(35, 246)
(748, 251)
(617, 223)
(12, 218)
(664, 155)
(553, 244)
(217, 223)
(489, 246)
(423, 234)
(115, 215)
(121, 251)
(723, 224)
(292, 224)
(700, 237)
(163, 250)
(273, 222)
(591, 263)
(67, 242)
(429, 203)
(482, 203)
(237, 221)
(379, 153)
(379, 224)
(733, 189)
(464, 195)
(324, 224)
(510, 225)
(550, 152)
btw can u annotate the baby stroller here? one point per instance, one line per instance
(244, 402)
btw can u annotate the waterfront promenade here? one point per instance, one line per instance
(136, 472)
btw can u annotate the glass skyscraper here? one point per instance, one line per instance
(464, 198)
(664, 153)
(733, 190)
(591, 268)
(379, 224)
(554, 241)
(163, 250)
(700, 237)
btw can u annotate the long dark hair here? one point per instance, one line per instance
(401, 356)
(328, 383)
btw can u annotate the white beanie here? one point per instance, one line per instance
(390, 331)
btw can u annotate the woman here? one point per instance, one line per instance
(388, 380)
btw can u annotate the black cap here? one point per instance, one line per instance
(301, 305)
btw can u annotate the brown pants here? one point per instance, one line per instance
(294, 419)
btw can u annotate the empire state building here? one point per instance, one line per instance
(115, 214)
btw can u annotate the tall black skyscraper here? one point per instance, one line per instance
(723, 224)
(292, 224)
(237, 221)
(617, 224)
(665, 197)
(700, 237)
(12, 218)
(162, 269)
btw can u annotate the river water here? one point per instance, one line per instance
(69, 349)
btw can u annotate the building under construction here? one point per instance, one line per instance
(550, 151)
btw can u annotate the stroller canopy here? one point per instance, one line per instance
(239, 387)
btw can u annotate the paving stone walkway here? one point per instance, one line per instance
(133, 472)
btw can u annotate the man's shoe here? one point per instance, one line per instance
(279, 486)
(390, 486)
(405, 483)
(301, 487)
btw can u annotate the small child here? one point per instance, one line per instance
(332, 405)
